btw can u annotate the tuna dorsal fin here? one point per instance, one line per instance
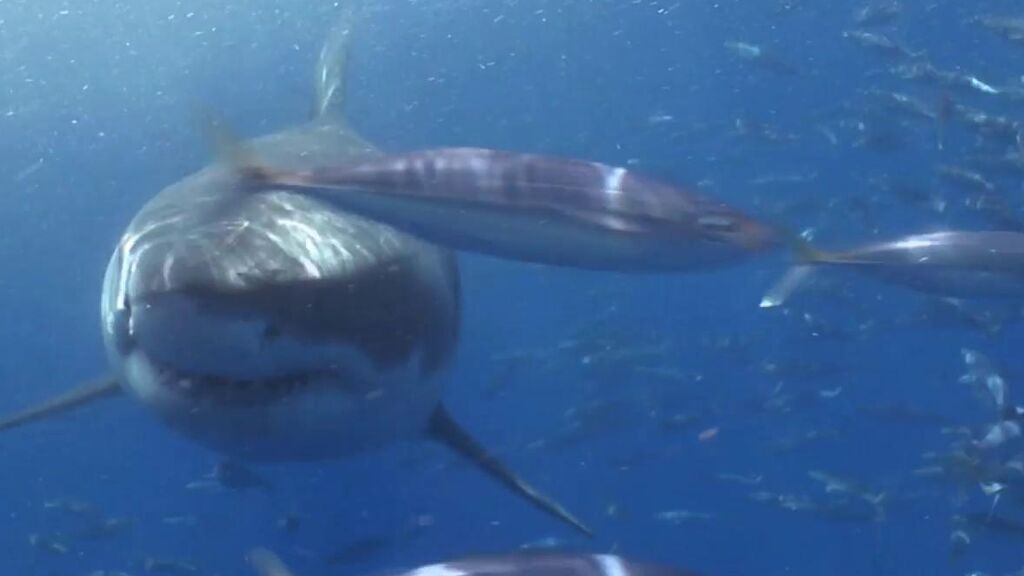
(227, 145)
(448, 432)
(332, 67)
(231, 150)
(85, 394)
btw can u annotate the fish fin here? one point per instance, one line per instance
(228, 148)
(332, 67)
(80, 396)
(447, 431)
(796, 276)
(234, 475)
(806, 252)
(227, 145)
(785, 287)
(266, 563)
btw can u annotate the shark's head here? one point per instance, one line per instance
(269, 328)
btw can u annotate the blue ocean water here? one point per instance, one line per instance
(624, 396)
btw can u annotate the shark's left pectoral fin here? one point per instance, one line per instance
(85, 394)
(447, 431)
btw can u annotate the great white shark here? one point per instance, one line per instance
(269, 327)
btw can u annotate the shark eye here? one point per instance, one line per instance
(717, 223)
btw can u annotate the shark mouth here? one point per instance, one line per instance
(208, 389)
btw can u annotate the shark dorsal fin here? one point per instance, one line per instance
(332, 68)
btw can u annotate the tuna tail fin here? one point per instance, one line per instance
(785, 287)
(806, 252)
(447, 431)
(332, 67)
(797, 275)
(80, 396)
(266, 563)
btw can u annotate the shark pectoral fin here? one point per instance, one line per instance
(785, 286)
(80, 396)
(448, 432)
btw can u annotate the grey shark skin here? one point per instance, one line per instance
(532, 208)
(272, 328)
(959, 264)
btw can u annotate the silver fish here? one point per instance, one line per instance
(878, 14)
(880, 43)
(760, 57)
(532, 208)
(961, 264)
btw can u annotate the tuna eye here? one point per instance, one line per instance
(717, 223)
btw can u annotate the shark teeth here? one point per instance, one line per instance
(213, 389)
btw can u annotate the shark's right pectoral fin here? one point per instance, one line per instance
(85, 394)
(446, 430)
